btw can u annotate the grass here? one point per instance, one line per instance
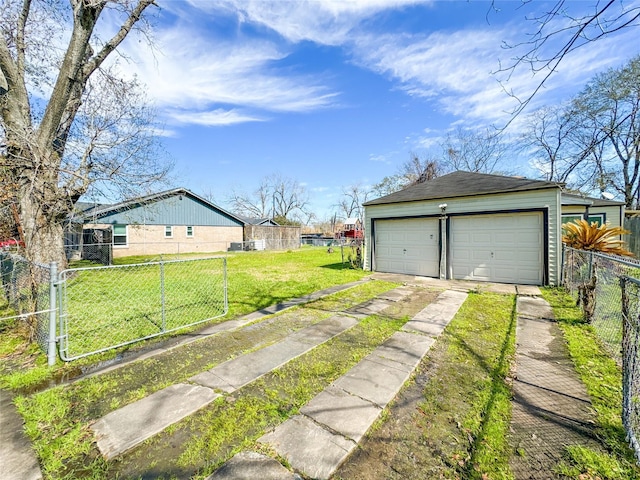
(57, 420)
(467, 402)
(104, 302)
(603, 379)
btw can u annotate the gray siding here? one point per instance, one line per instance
(546, 199)
(172, 211)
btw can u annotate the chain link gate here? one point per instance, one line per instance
(101, 308)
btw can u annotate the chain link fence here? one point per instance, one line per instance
(109, 307)
(105, 253)
(631, 360)
(26, 295)
(609, 286)
(84, 311)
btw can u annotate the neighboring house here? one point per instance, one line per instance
(352, 228)
(171, 222)
(263, 222)
(592, 209)
(474, 226)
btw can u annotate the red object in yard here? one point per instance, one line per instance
(353, 234)
(12, 242)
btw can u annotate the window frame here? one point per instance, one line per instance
(189, 231)
(168, 229)
(592, 217)
(125, 235)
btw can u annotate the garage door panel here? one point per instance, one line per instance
(407, 246)
(504, 248)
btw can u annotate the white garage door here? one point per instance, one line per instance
(506, 248)
(407, 246)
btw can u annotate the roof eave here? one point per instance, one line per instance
(462, 195)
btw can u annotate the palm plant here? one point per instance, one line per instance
(604, 238)
(583, 235)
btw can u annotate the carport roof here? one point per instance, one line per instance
(463, 184)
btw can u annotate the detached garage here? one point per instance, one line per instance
(469, 226)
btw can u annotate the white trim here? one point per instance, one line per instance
(186, 231)
(170, 227)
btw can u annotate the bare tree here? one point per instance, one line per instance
(280, 198)
(413, 171)
(557, 149)
(473, 151)
(67, 121)
(593, 142)
(609, 113)
(350, 204)
(290, 199)
(417, 170)
(559, 26)
(257, 204)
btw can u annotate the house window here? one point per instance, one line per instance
(120, 235)
(168, 231)
(572, 217)
(189, 231)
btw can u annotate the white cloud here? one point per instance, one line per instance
(191, 72)
(218, 79)
(217, 117)
(460, 69)
(327, 22)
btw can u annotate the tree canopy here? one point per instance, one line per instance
(68, 120)
(593, 141)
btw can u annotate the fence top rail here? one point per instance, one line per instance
(624, 260)
(145, 264)
(630, 279)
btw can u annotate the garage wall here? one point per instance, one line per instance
(548, 199)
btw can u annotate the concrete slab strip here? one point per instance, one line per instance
(425, 328)
(434, 317)
(126, 427)
(245, 369)
(308, 447)
(372, 307)
(252, 466)
(404, 347)
(529, 290)
(534, 307)
(375, 381)
(323, 331)
(346, 414)
(17, 458)
(396, 294)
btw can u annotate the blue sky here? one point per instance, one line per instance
(338, 92)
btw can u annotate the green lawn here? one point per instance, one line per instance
(57, 420)
(112, 306)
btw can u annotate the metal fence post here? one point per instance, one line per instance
(53, 279)
(162, 296)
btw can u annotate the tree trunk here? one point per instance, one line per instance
(587, 297)
(42, 226)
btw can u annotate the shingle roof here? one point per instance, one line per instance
(107, 209)
(257, 221)
(463, 184)
(573, 199)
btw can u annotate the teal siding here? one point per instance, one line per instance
(172, 211)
